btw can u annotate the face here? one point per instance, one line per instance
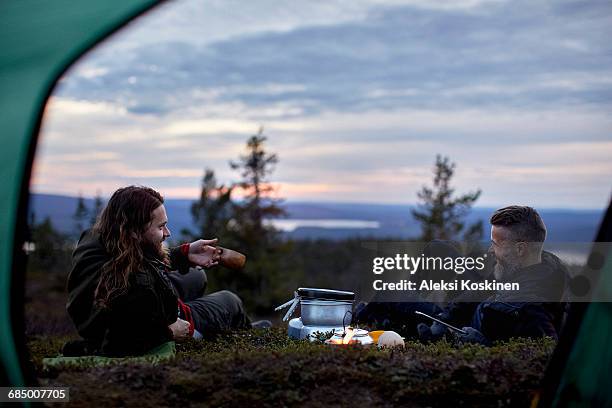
(157, 231)
(506, 251)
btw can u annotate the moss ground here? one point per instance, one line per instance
(265, 368)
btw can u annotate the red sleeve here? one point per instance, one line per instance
(187, 313)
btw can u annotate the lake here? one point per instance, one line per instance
(289, 225)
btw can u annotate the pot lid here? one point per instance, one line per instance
(328, 294)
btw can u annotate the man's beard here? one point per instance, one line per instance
(505, 270)
(156, 250)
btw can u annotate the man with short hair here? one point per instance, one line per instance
(123, 289)
(517, 238)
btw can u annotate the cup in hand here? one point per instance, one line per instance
(231, 259)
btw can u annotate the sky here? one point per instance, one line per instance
(356, 99)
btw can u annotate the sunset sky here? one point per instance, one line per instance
(356, 98)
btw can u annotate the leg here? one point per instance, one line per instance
(191, 285)
(218, 312)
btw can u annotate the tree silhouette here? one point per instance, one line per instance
(260, 241)
(213, 211)
(254, 169)
(440, 214)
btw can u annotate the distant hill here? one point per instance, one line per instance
(394, 221)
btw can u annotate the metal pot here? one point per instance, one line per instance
(321, 307)
(318, 312)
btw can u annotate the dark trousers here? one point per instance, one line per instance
(214, 313)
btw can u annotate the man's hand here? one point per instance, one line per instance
(180, 329)
(472, 336)
(433, 333)
(203, 253)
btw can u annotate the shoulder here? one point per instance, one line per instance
(553, 261)
(88, 258)
(89, 248)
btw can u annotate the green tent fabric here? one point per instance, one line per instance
(586, 380)
(39, 39)
(160, 353)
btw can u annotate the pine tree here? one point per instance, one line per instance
(258, 204)
(260, 241)
(440, 214)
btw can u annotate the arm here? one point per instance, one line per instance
(502, 321)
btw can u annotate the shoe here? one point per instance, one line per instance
(261, 324)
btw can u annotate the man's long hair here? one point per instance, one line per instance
(121, 227)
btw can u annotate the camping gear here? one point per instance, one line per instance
(390, 339)
(163, 352)
(376, 334)
(297, 330)
(322, 311)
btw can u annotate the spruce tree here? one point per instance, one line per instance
(440, 213)
(257, 238)
(258, 203)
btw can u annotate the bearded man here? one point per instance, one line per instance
(517, 237)
(123, 289)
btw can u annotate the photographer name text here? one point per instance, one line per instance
(456, 285)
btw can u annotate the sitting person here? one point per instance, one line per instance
(123, 289)
(517, 235)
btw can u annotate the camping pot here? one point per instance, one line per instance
(325, 307)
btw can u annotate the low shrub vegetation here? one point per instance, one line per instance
(267, 368)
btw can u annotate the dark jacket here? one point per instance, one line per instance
(533, 315)
(135, 321)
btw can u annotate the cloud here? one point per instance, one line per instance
(356, 97)
(397, 55)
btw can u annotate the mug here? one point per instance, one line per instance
(231, 259)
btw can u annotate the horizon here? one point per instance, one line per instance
(365, 203)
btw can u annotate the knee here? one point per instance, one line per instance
(204, 278)
(199, 278)
(232, 299)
